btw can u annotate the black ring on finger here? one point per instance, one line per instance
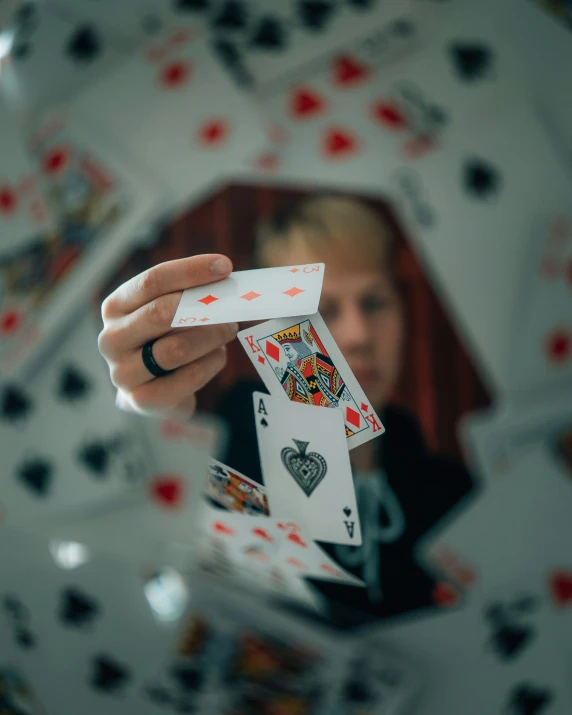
(150, 362)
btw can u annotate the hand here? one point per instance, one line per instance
(141, 310)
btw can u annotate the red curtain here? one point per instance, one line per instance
(438, 380)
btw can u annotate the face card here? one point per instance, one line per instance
(299, 361)
(25, 213)
(240, 654)
(198, 141)
(234, 491)
(253, 295)
(522, 519)
(306, 471)
(102, 202)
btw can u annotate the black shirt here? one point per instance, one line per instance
(418, 488)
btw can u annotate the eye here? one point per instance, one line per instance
(375, 303)
(328, 310)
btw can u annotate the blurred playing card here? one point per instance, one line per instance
(64, 443)
(199, 140)
(53, 55)
(541, 354)
(94, 630)
(156, 521)
(519, 521)
(500, 653)
(253, 295)
(102, 202)
(495, 437)
(24, 210)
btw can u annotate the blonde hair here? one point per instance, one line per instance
(339, 228)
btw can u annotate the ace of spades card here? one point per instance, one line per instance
(298, 360)
(306, 468)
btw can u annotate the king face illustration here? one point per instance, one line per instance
(310, 376)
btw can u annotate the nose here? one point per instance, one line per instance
(352, 332)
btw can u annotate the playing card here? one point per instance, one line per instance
(239, 654)
(299, 361)
(300, 557)
(64, 443)
(267, 553)
(25, 212)
(499, 654)
(155, 521)
(541, 355)
(398, 114)
(102, 202)
(519, 522)
(137, 21)
(493, 438)
(379, 679)
(53, 56)
(476, 184)
(253, 295)
(306, 468)
(206, 124)
(448, 105)
(264, 43)
(234, 491)
(93, 633)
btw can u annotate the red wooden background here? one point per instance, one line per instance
(438, 380)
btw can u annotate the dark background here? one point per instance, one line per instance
(438, 381)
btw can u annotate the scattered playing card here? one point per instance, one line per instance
(541, 356)
(306, 468)
(102, 202)
(199, 141)
(253, 295)
(64, 443)
(520, 520)
(25, 212)
(234, 491)
(299, 361)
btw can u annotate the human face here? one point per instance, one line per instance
(363, 312)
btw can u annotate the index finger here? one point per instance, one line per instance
(164, 278)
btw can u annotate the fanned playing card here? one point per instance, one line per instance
(253, 295)
(299, 361)
(306, 468)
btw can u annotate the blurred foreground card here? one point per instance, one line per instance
(101, 202)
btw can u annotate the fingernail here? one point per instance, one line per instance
(220, 266)
(233, 328)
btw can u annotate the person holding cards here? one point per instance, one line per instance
(403, 489)
(140, 347)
